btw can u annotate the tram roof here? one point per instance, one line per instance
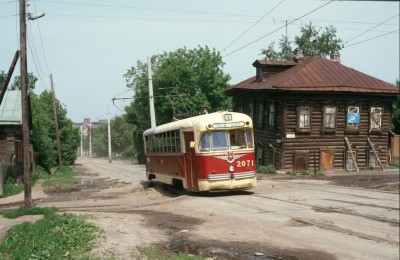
(200, 121)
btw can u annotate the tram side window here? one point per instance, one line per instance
(219, 141)
(205, 142)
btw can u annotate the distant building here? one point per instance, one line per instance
(313, 112)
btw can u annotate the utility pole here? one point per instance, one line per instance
(109, 134)
(151, 96)
(90, 138)
(56, 122)
(81, 142)
(25, 102)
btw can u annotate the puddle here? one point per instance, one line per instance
(83, 184)
(181, 245)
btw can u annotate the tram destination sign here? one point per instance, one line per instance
(228, 125)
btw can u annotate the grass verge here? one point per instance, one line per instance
(65, 236)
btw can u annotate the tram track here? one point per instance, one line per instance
(320, 225)
(344, 187)
(330, 209)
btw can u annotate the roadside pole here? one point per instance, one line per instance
(109, 134)
(56, 122)
(151, 96)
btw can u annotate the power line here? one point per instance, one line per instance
(278, 28)
(371, 38)
(144, 8)
(371, 29)
(41, 42)
(248, 29)
(36, 59)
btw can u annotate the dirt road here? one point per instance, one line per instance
(336, 216)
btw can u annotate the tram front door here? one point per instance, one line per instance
(190, 162)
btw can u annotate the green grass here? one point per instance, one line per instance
(152, 254)
(64, 174)
(394, 165)
(11, 187)
(270, 169)
(55, 236)
(21, 211)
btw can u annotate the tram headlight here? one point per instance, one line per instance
(231, 168)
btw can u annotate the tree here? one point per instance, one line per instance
(183, 82)
(121, 138)
(43, 135)
(16, 84)
(396, 112)
(312, 41)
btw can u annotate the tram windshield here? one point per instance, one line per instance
(226, 140)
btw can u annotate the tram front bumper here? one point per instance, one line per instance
(228, 181)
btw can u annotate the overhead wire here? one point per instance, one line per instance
(244, 46)
(142, 8)
(346, 46)
(41, 42)
(248, 29)
(355, 37)
(36, 58)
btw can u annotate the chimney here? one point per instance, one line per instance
(298, 55)
(259, 75)
(335, 56)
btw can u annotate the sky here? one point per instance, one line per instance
(88, 46)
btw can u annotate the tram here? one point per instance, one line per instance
(209, 152)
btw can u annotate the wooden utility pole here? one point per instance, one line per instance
(25, 102)
(56, 122)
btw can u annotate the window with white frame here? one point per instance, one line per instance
(304, 117)
(329, 114)
(271, 117)
(251, 108)
(260, 113)
(375, 119)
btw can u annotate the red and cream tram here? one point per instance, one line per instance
(208, 152)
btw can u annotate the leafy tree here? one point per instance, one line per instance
(396, 112)
(312, 41)
(43, 131)
(16, 84)
(121, 138)
(183, 82)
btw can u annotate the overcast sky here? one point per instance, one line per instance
(88, 45)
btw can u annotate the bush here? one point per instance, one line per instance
(270, 169)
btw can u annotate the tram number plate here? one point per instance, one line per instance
(244, 163)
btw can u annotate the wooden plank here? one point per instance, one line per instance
(376, 154)
(351, 153)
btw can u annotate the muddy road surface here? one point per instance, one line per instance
(335, 216)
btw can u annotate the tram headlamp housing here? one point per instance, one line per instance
(231, 168)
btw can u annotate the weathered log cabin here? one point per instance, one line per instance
(11, 128)
(315, 113)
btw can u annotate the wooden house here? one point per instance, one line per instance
(315, 113)
(10, 135)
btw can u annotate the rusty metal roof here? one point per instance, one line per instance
(11, 109)
(316, 73)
